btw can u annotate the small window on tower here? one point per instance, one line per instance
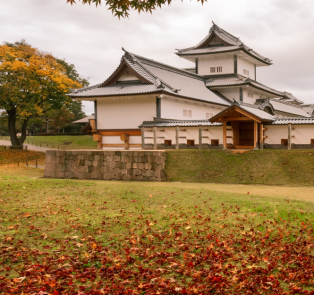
(185, 113)
(250, 94)
(219, 69)
(209, 115)
(212, 69)
(190, 114)
(246, 72)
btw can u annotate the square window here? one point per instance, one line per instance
(209, 115)
(168, 142)
(190, 142)
(189, 114)
(185, 113)
(212, 69)
(215, 142)
(219, 69)
(284, 142)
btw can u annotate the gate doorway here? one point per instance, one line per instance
(246, 134)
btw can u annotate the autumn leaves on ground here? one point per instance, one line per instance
(98, 237)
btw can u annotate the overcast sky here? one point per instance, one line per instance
(91, 38)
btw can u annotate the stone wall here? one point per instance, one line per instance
(106, 165)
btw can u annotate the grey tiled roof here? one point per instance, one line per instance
(286, 107)
(290, 97)
(236, 80)
(293, 120)
(163, 78)
(118, 89)
(183, 123)
(234, 44)
(255, 110)
(84, 120)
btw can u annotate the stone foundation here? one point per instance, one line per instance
(106, 165)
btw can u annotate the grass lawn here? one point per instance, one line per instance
(77, 142)
(270, 167)
(98, 237)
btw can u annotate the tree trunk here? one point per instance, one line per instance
(12, 128)
(24, 129)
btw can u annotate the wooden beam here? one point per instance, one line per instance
(234, 119)
(289, 136)
(118, 133)
(200, 137)
(177, 137)
(224, 134)
(255, 133)
(155, 137)
(143, 138)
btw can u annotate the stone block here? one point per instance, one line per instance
(158, 179)
(140, 166)
(137, 172)
(118, 177)
(150, 159)
(139, 178)
(128, 165)
(108, 176)
(117, 158)
(157, 173)
(81, 162)
(97, 157)
(123, 165)
(148, 166)
(94, 175)
(129, 171)
(70, 174)
(87, 163)
(109, 170)
(95, 163)
(123, 171)
(134, 165)
(150, 173)
(116, 171)
(112, 164)
(60, 174)
(86, 175)
(118, 164)
(81, 176)
(126, 177)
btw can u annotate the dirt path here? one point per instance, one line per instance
(29, 146)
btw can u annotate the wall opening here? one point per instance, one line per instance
(284, 142)
(168, 142)
(190, 142)
(214, 142)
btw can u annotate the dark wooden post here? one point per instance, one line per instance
(155, 137)
(289, 136)
(224, 134)
(177, 137)
(200, 136)
(143, 138)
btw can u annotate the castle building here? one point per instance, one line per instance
(217, 103)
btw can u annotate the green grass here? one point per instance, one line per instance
(77, 142)
(171, 238)
(271, 167)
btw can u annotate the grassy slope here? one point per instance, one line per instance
(271, 167)
(78, 142)
(79, 231)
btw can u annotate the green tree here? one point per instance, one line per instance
(121, 8)
(61, 118)
(31, 84)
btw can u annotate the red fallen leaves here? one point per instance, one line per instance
(151, 261)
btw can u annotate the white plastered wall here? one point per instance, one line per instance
(275, 133)
(117, 140)
(125, 113)
(302, 134)
(173, 109)
(205, 63)
(243, 64)
(248, 99)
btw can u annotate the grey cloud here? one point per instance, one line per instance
(92, 38)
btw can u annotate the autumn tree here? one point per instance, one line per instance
(32, 83)
(61, 118)
(121, 8)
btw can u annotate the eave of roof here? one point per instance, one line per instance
(181, 123)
